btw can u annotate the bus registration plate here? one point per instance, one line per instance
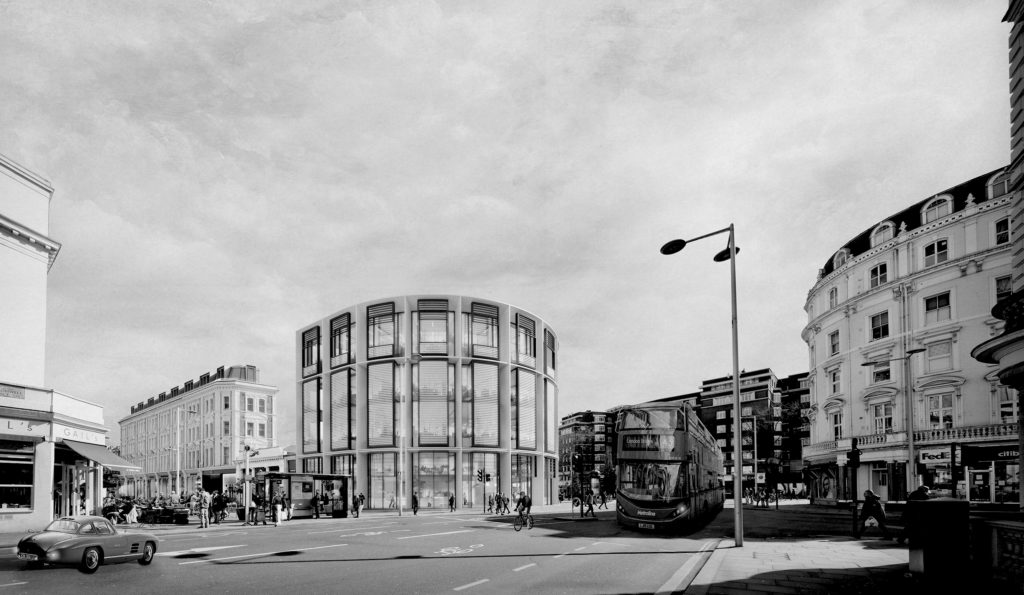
(646, 525)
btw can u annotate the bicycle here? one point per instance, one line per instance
(522, 519)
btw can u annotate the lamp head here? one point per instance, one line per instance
(673, 247)
(724, 255)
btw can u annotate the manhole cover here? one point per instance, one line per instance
(772, 556)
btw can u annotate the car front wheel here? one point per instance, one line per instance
(91, 560)
(147, 553)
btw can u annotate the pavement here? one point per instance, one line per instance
(799, 548)
(794, 548)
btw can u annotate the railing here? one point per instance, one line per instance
(947, 434)
(993, 431)
(1006, 557)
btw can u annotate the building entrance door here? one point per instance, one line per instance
(880, 483)
(981, 485)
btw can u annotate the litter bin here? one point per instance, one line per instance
(939, 538)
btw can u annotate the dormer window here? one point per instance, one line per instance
(999, 185)
(936, 209)
(840, 258)
(882, 234)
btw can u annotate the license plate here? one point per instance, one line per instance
(29, 557)
(646, 525)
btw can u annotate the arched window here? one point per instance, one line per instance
(840, 258)
(882, 234)
(998, 185)
(833, 297)
(936, 209)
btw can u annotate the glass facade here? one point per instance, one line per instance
(431, 395)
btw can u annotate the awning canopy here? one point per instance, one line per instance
(101, 455)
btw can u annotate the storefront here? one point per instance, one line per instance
(992, 472)
(52, 452)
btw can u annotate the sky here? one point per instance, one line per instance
(226, 173)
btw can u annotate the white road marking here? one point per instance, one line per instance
(305, 549)
(581, 548)
(479, 582)
(562, 555)
(197, 550)
(523, 567)
(350, 529)
(13, 584)
(436, 534)
(674, 583)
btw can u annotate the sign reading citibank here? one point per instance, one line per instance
(68, 433)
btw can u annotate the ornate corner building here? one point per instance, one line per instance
(892, 320)
(433, 395)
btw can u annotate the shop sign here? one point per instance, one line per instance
(981, 454)
(12, 392)
(934, 456)
(24, 427)
(68, 433)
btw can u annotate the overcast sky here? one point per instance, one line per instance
(227, 173)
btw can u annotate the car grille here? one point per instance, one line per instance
(31, 548)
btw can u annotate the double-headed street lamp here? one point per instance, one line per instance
(728, 254)
(908, 412)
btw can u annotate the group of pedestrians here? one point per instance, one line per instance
(497, 503)
(760, 497)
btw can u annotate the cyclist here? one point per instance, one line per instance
(523, 505)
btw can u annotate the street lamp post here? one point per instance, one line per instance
(737, 486)
(908, 412)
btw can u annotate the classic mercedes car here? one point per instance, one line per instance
(86, 542)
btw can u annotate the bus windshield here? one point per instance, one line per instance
(649, 481)
(648, 419)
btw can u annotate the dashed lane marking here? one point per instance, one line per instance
(360, 529)
(13, 584)
(479, 582)
(305, 549)
(523, 567)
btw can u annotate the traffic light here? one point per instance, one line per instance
(853, 457)
(480, 475)
(488, 477)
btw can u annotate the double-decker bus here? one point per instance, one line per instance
(669, 470)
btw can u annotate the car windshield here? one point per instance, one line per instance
(63, 526)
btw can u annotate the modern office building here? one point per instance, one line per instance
(892, 320)
(437, 395)
(198, 431)
(795, 399)
(52, 445)
(591, 436)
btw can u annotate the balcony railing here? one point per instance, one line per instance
(993, 431)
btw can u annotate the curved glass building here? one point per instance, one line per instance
(437, 395)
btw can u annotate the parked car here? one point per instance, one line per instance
(86, 542)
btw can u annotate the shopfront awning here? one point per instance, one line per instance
(101, 455)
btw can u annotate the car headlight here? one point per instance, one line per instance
(52, 555)
(681, 509)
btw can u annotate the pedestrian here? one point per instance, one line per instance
(604, 501)
(504, 504)
(451, 503)
(490, 503)
(355, 506)
(910, 513)
(415, 503)
(204, 508)
(872, 509)
(251, 512)
(588, 499)
(316, 505)
(362, 502)
(216, 506)
(278, 504)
